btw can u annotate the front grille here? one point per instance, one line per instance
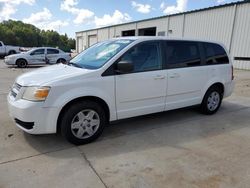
(17, 86)
(13, 94)
(26, 125)
(15, 90)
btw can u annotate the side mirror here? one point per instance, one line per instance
(124, 67)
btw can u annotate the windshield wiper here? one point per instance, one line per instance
(74, 64)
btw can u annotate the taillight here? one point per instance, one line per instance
(232, 72)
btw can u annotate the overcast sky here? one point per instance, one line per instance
(69, 16)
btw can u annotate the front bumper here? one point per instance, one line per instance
(40, 120)
(9, 61)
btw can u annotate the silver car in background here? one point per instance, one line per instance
(38, 56)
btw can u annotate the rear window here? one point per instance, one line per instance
(52, 51)
(215, 54)
(182, 54)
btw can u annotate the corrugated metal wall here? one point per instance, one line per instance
(103, 34)
(111, 32)
(229, 25)
(175, 28)
(214, 24)
(241, 36)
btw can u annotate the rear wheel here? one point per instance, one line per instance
(212, 100)
(61, 60)
(21, 63)
(12, 52)
(83, 122)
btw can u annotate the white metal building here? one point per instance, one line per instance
(228, 24)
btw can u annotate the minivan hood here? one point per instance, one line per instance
(48, 74)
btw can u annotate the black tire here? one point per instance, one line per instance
(12, 52)
(61, 60)
(21, 63)
(206, 106)
(70, 115)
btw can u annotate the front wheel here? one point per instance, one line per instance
(212, 100)
(83, 122)
(21, 63)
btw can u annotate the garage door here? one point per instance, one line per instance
(92, 39)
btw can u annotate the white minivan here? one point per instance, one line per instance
(117, 79)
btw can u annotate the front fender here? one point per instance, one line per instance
(20, 57)
(60, 99)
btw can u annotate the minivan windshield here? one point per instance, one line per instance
(99, 54)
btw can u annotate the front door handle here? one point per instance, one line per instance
(175, 75)
(159, 77)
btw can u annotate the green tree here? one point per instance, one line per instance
(27, 35)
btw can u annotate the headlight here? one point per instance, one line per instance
(36, 93)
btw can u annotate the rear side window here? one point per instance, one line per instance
(52, 51)
(182, 54)
(215, 54)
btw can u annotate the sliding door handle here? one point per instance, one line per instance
(159, 77)
(175, 75)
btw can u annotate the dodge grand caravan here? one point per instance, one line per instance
(117, 79)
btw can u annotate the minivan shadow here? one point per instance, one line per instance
(164, 119)
(47, 142)
(170, 128)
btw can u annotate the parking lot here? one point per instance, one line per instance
(180, 148)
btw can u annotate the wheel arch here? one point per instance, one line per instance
(79, 99)
(220, 85)
(61, 58)
(10, 52)
(21, 58)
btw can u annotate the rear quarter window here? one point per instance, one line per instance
(52, 51)
(215, 54)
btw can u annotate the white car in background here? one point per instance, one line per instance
(37, 56)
